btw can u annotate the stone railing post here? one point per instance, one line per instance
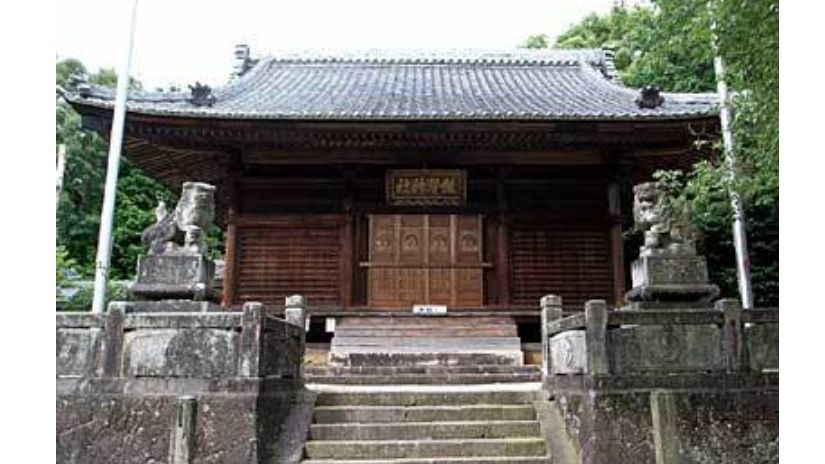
(113, 340)
(733, 343)
(182, 441)
(295, 311)
(664, 415)
(251, 332)
(595, 337)
(550, 311)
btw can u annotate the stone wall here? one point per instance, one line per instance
(685, 418)
(199, 387)
(666, 387)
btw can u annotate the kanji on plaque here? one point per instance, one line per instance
(426, 187)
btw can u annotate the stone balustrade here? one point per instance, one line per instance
(599, 341)
(696, 385)
(208, 345)
(166, 385)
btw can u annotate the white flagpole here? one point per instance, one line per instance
(61, 168)
(740, 235)
(104, 242)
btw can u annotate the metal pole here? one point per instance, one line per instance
(61, 167)
(104, 242)
(740, 236)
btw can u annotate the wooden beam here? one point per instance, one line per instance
(389, 157)
(286, 220)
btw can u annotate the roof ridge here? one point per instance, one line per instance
(548, 56)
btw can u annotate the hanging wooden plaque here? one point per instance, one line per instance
(426, 187)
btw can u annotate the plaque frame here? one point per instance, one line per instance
(426, 179)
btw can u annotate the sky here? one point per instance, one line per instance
(179, 42)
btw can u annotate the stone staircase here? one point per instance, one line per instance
(426, 341)
(447, 426)
(426, 390)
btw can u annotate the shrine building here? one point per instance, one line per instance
(373, 182)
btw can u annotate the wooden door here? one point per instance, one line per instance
(425, 259)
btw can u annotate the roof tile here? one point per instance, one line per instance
(376, 85)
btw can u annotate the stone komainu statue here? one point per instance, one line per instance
(182, 231)
(665, 231)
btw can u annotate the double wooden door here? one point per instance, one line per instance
(425, 259)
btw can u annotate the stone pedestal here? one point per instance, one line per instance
(670, 280)
(184, 277)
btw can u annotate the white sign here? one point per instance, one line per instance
(429, 310)
(330, 325)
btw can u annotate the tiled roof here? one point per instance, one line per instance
(380, 85)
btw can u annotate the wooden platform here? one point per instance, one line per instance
(426, 341)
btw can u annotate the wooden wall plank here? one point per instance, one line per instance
(284, 255)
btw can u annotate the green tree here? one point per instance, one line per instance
(536, 41)
(78, 217)
(670, 44)
(626, 31)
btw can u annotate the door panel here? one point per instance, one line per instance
(425, 259)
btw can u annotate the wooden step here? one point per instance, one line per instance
(428, 344)
(425, 340)
(449, 331)
(370, 358)
(423, 321)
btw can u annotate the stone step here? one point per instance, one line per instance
(405, 398)
(371, 357)
(453, 460)
(393, 449)
(423, 321)
(422, 370)
(425, 430)
(400, 414)
(427, 344)
(449, 331)
(424, 379)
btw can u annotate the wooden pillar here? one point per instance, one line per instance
(348, 267)
(502, 255)
(616, 242)
(230, 276)
(615, 188)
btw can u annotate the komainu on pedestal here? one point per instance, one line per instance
(176, 265)
(668, 273)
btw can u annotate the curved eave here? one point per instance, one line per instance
(205, 114)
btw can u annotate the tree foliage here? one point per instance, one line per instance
(78, 214)
(671, 44)
(536, 41)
